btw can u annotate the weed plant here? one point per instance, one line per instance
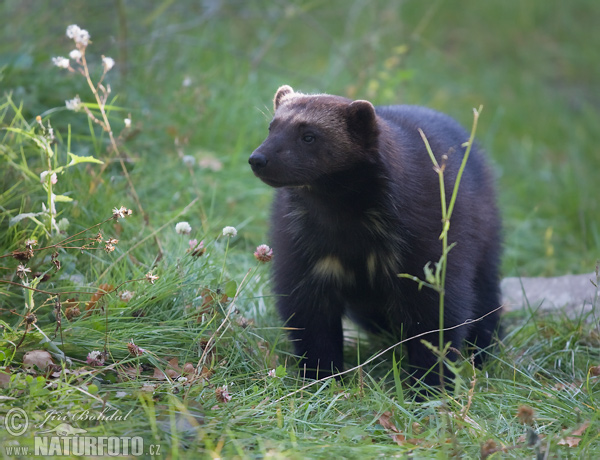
(137, 303)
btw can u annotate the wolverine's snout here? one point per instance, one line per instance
(257, 161)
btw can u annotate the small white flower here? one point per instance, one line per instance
(108, 63)
(183, 228)
(272, 373)
(151, 278)
(22, 271)
(75, 54)
(73, 30)
(189, 160)
(44, 175)
(229, 231)
(126, 296)
(81, 36)
(119, 213)
(61, 62)
(73, 104)
(187, 81)
(127, 122)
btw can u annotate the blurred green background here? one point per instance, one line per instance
(198, 79)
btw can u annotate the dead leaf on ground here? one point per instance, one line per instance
(128, 372)
(595, 371)
(39, 358)
(385, 422)
(4, 378)
(575, 438)
(103, 289)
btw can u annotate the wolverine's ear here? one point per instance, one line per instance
(281, 92)
(362, 120)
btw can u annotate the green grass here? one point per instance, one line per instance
(532, 65)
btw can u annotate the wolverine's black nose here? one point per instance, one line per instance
(257, 161)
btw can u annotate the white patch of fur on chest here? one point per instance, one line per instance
(330, 268)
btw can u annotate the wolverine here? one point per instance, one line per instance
(357, 203)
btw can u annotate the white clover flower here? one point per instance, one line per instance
(189, 160)
(73, 104)
(61, 62)
(127, 122)
(229, 231)
(183, 228)
(75, 54)
(263, 253)
(95, 358)
(44, 175)
(108, 63)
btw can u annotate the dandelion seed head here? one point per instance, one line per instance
(189, 160)
(183, 228)
(229, 231)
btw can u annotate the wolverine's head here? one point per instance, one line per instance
(312, 136)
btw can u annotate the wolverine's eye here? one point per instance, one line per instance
(308, 138)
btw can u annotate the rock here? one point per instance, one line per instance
(569, 293)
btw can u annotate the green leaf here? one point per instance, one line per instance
(280, 371)
(62, 198)
(231, 288)
(75, 160)
(26, 215)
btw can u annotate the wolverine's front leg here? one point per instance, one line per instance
(314, 320)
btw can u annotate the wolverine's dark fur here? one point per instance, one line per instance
(357, 203)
